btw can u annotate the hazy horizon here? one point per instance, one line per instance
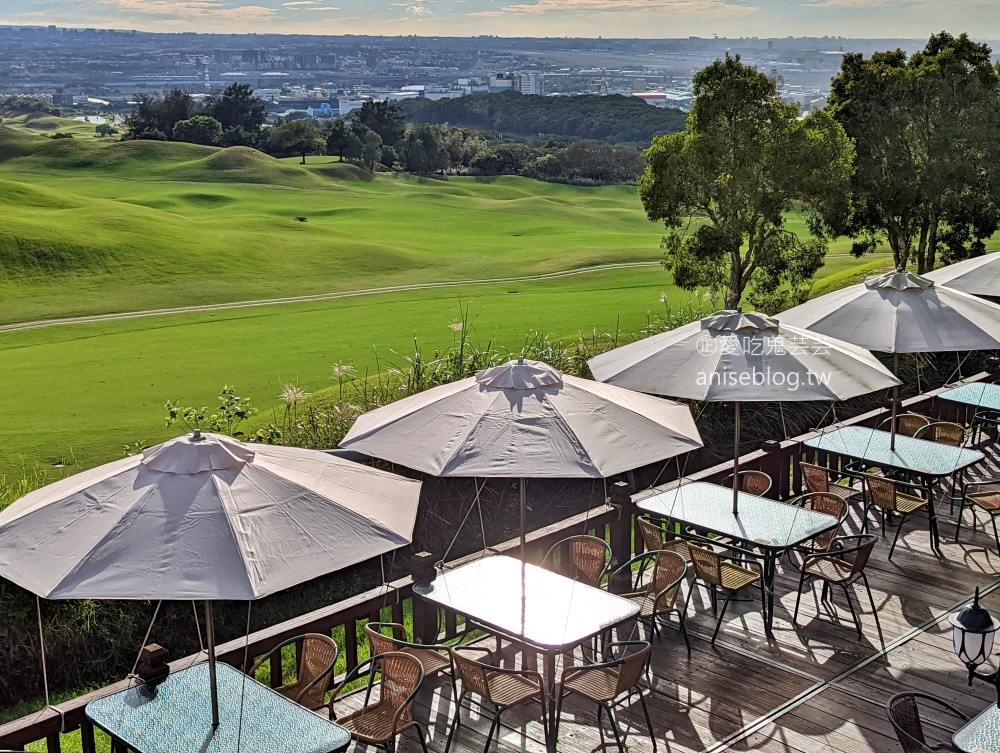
(649, 19)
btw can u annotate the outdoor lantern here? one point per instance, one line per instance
(973, 630)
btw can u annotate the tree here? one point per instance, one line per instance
(104, 130)
(201, 129)
(337, 139)
(371, 151)
(237, 107)
(300, 137)
(385, 119)
(925, 129)
(724, 186)
(424, 152)
(354, 147)
(152, 114)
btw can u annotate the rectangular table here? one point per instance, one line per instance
(982, 734)
(530, 605)
(176, 717)
(983, 395)
(931, 461)
(765, 524)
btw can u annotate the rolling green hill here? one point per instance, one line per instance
(95, 226)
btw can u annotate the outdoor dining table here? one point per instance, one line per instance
(176, 717)
(983, 396)
(981, 734)
(766, 525)
(529, 605)
(929, 461)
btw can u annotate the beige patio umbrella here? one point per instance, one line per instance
(737, 357)
(523, 420)
(977, 276)
(900, 312)
(203, 517)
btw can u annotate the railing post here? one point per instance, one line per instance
(776, 466)
(621, 528)
(425, 615)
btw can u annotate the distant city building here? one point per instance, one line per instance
(501, 82)
(348, 105)
(671, 99)
(528, 83)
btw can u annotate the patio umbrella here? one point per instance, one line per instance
(977, 276)
(203, 517)
(900, 312)
(739, 357)
(522, 420)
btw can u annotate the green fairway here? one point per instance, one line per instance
(93, 227)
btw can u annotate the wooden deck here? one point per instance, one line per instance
(817, 688)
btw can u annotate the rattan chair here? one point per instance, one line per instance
(586, 559)
(751, 482)
(954, 435)
(380, 723)
(885, 494)
(435, 659)
(817, 481)
(842, 565)
(609, 684)
(654, 539)
(721, 573)
(907, 424)
(828, 504)
(501, 688)
(656, 594)
(904, 716)
(317, 658)
(981, 495)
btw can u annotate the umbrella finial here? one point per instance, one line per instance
(520, 360)
(196, 435)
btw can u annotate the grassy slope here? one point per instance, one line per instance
(127, 226)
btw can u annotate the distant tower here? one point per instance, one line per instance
(208, 80)
(604, 87)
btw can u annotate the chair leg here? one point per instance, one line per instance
(494, 728)
(555, 725)
(958, 520)
(687, 601)
(614, 728)
(871, 600)
(649, 724)
(420, 736)
(854, 612)
(718, 624)
(684, 632)
(899, 530)
(456, 722)
(798, 598)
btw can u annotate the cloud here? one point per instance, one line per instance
(186, 10)
(703, 8)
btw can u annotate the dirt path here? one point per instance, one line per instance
(96, 318)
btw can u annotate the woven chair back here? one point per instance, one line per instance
(883, 492)
(707, 565)
(632, 668)
(944, 432)
(401, 675)
(652, 534)
(904, 713)
(380, 643)
(828, 504)
(669, 567)
(751, 482)
(318, 653)
(817, 478)
(472, 674)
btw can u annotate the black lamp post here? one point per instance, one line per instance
(973, 631)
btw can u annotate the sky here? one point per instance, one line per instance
(575, 18)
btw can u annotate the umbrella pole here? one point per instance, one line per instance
(895, 401)
(210, 632)
(524, 515)
(736, 464)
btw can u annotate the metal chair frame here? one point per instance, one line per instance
(748, 563)
(373, 629)
(497, 708)
(578, 574)
(292, 692)
(908, 742)
(374, 664)
(888, 511)
(970, 491)
(856, 572)
(667, 593)
(614, 664)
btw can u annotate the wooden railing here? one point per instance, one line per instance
(613, 521)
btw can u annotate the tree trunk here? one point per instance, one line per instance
(735, 294)
(922, 247)
(932, 244)
(898, 257)
(303, 158)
